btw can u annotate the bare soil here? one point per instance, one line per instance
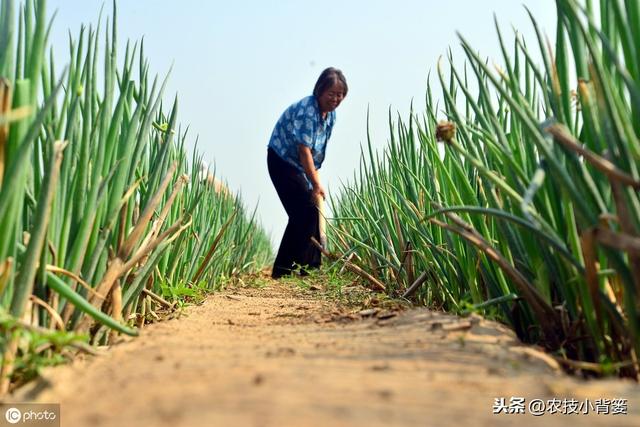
(282, 356)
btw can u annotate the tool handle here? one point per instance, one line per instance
(322, 221)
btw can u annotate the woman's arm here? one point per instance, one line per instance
(306, 160)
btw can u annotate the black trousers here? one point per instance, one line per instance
(296, 197)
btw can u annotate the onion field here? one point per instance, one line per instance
(513, 194)
(105, 217)
(516, 195)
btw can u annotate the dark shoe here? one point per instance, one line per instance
(279, 272)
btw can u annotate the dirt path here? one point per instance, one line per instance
(279, 356)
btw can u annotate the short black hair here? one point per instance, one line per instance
(328, 78)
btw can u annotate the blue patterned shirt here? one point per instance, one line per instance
(301, 123)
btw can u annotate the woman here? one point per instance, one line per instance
(295, 153)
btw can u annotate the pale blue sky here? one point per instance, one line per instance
(238, 64)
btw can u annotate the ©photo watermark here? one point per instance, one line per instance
(30, 414)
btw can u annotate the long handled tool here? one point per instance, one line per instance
(322, 221)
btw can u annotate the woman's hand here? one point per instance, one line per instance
(318, 191)
(306, 160)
